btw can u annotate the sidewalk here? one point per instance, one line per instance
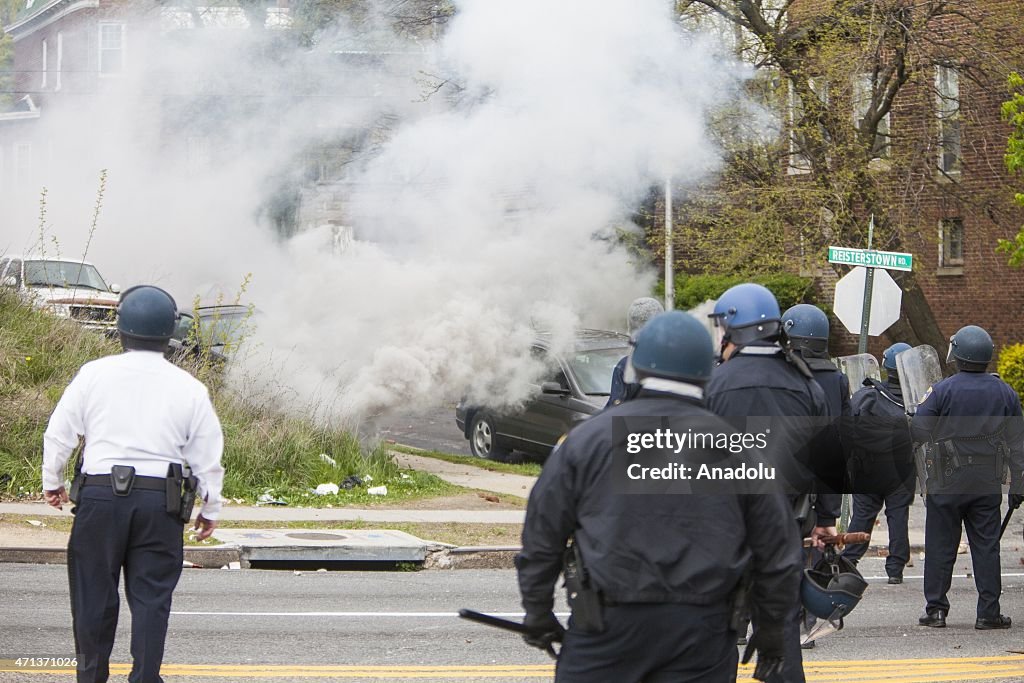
(48, 545)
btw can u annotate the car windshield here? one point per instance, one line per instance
(223, 327)
(64, 274)
(593, 369)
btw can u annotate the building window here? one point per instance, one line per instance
(863, 89)
(951, 242)
(60, 61)
(111, 49)
(947, 89)
(42, 67)
(799, 162)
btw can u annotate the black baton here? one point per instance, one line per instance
(1006, 523)
(498, 622)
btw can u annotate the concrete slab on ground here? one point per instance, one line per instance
(326, 545)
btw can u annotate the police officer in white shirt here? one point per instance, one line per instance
(142, 420)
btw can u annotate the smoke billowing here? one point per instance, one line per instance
(477, 213)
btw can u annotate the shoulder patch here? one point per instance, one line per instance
(926, 395)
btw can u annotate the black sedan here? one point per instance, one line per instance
(577, 387)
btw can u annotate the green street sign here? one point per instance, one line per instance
(869, 258)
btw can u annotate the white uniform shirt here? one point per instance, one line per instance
(137, 409)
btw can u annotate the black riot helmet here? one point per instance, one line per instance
(806, 327)
(971, 347)
(832, 588)
(147, 314)
(675, 346)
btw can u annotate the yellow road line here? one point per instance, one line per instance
(936, 670)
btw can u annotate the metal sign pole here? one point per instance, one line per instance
(869, 283)
(670, 280)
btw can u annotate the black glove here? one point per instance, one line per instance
(543, 629)
(1015, 500)
(767, 641)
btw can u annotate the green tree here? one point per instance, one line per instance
(839, 68)
(8, 10)
(1013, 113)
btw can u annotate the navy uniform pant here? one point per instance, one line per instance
(866, 507)
(132, 532)
(652, 643)
(979, 514)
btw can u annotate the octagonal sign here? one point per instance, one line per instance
(886, 299)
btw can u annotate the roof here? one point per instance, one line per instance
(587, 339)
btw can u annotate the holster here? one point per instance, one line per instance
(585, 602)
(76, 481)
(181, 492)
(804, 514)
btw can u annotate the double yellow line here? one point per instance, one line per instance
(1002, 669)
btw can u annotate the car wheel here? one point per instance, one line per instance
(483, 438)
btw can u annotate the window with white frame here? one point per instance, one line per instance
(42, 66)
(799, 162)
(60, 61)
(863, 90)
(111, 49)
(947, 90)
(951, 242)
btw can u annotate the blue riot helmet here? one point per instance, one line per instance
(832, 588)
(747, 313)
(889, 355)
(675, 346)
(806, 327)
(147, 313)
(971, 347)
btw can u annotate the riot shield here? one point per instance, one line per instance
(857, 368)
(919, 370)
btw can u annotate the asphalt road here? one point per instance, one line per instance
(433, 429)
(279, 626)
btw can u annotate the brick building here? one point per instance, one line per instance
(939, 160)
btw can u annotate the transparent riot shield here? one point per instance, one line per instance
(919, 370)
(857, 368)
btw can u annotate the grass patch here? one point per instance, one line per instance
(529, 469)
(265, 452)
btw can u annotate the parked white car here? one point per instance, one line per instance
(71, 289)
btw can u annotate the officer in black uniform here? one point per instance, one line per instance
(640, 311)
(882, 464)
(143, 420)
(806, 329)
(967, 458)
(663, 566)
(759, 378)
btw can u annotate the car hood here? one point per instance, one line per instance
(74, 295)
(597, 401)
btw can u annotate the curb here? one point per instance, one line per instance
(203, 557)
(437, 556)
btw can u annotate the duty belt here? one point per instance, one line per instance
(139, 482)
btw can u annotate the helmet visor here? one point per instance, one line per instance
(952, 344)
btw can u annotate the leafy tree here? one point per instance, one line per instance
(840, 68)
(8, 10)
(1013, 112)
